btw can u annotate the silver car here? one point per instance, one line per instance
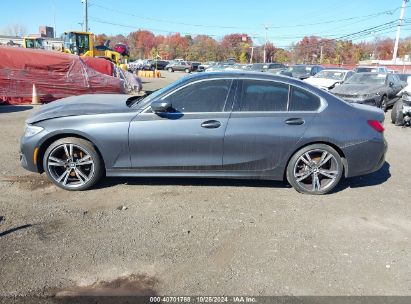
(217, 125)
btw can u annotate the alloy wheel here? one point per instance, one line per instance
(316, 170)
(70, 165)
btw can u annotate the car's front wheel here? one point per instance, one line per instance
(170, 70)
(73, 164)
(187, 71)
(315, 169)
(384, 103)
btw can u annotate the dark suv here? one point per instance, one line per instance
(302, 71)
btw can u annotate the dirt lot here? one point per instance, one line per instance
(203, 237)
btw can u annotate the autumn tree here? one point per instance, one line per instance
(140, 43)
(236, 45)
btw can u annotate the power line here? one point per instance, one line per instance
(386, 12)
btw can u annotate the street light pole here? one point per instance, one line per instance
(85, 15)
(266, 41)
(397, 38)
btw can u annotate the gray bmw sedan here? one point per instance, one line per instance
(217, 125)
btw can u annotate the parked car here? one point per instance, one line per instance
(222, 66)
(223, 125)
(405, 77)
(371, 69)
(202, 67)
(302, 71)
(328, 79)
(179, 66)
(147, 65)
(135, 65)
(274, 67)
(255, 67)
(376, 89)
(158, 64)
(194, 65)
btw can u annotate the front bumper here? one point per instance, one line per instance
(28, 146)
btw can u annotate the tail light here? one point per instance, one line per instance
(376, 125)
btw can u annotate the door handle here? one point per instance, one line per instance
(294, 121)
(211, 124)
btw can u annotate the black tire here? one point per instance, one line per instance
(305, 184)
(170, 70)
(89, 173)
(395, 117)
(384, 103)
(187, 71)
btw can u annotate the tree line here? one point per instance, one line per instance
(144, 44)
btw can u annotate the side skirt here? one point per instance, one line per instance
(192, 173)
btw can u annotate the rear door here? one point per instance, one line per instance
(267, 121)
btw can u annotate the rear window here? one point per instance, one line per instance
(303, 101)
(264, 96)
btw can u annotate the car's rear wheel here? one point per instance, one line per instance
(170, 70)
(73, 164)
(396, 116)
(315, 169)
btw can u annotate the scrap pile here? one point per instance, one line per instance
(56, 75)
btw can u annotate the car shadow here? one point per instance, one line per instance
(372, 179)
(201, 182)
(12, 108)
(4, 233)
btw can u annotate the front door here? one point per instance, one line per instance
(189, 137)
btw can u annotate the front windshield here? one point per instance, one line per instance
(146, 100)
(362, 78)
(336, 75)
(77, 43)
(365, 70)
(300, 69)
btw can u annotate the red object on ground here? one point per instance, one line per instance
(101, 65)
(56, 75)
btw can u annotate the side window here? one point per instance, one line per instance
(302, 100)
(203, 96)
(258, 95)
(349, 74)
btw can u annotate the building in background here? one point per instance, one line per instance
(46, 31)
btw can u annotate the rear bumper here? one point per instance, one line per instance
(366, 157)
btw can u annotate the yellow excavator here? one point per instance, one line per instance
(33, 42)
(82, 44)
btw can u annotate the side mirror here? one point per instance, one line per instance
(391, 84)
(160, 106)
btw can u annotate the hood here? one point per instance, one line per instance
(81, 105)
(357, 89)
(321, 82)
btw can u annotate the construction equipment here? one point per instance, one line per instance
(82, 44)
(33, 42)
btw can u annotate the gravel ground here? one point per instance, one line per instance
(203, 237)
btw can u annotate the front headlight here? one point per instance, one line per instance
(368, 96)
(32, 130)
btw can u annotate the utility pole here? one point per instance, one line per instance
(266, 40)
(321, 54)
(252, 53)
(397, 38)
(85, 15)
